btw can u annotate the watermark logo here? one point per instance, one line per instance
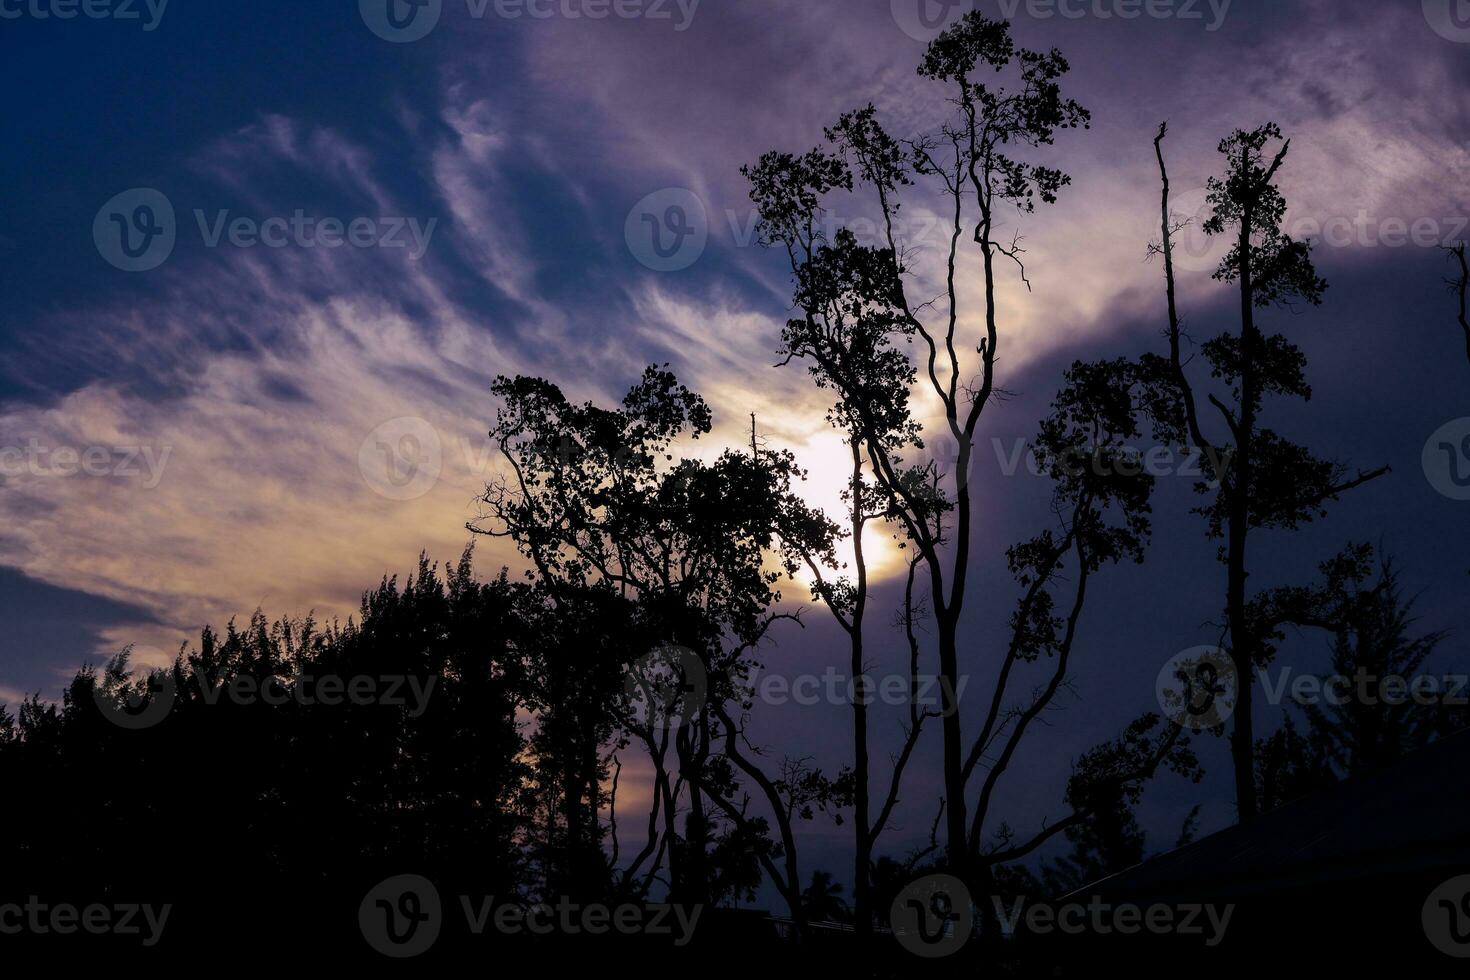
(36, 459)
(40, 918)
(1450, 19)
(667, 230)
(135, 705)
(667, 686)
(928, 691)
(400, 21)
(1446, 459)
(933, 917)
(135, 231)
(401, 916)
(1194, 250)
(1120, 460)
(1446, 917)
(301, 230)
(143, 703)
(1101, 918)
(148, 12)
(1364, 688)
(1197, 689)
(402, 458)
(924, 20)
(1121, 10)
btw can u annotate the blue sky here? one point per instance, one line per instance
(518, 146)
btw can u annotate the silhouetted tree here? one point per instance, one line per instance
(855, 320)
(291, 797)
(822, 900)
(596, 500)
(854, 309)
(1260, 479)
(1288, 767)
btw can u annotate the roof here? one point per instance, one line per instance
(1411, 817)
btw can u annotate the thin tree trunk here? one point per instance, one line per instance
(862, 859)
(1242, 741)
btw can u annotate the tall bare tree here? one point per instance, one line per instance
(856, 299)
(854, 325)
(1261, 479)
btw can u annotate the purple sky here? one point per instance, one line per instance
(239, 393)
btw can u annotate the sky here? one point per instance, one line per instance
(340, 227)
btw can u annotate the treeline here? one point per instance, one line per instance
(263, 783)
(488, 746)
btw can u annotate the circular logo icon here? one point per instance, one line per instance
(135, 231)
(400, 21)
(401, 916)
(1449, 18)
(933, 916)
(1446, 917)
(667, 230)
(1198, 687)
(1194, 250)
(135, 705)
(402, 458)
(666, 687)
(924, 20)
(1446, 459)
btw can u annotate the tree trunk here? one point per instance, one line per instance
(1242, 741)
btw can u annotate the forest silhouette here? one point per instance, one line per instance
(344, 793)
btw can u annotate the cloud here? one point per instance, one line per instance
(260, 373)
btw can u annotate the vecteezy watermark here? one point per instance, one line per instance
(136, 231)
(1211, 12)
(402, 458)
(1446, 459)
(670, 229)
(1100, 918)
(301, 230)
(666, 686)
(910, 232)
(1446, 917)
(39, 918)
(1197, 688)
(1450, 19)
(836, 688)
(403, 21)
(1364, 688)
(403, 916)
(406, 691)
(1154, 461)
(37, 459)
(147, 12)
(924, 20)
(933, 916)
(1194, 250)
(667, 230)
(138, 704)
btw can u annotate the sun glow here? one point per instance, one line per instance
(827, 460)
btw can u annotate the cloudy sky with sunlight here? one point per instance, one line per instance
(216, 431)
